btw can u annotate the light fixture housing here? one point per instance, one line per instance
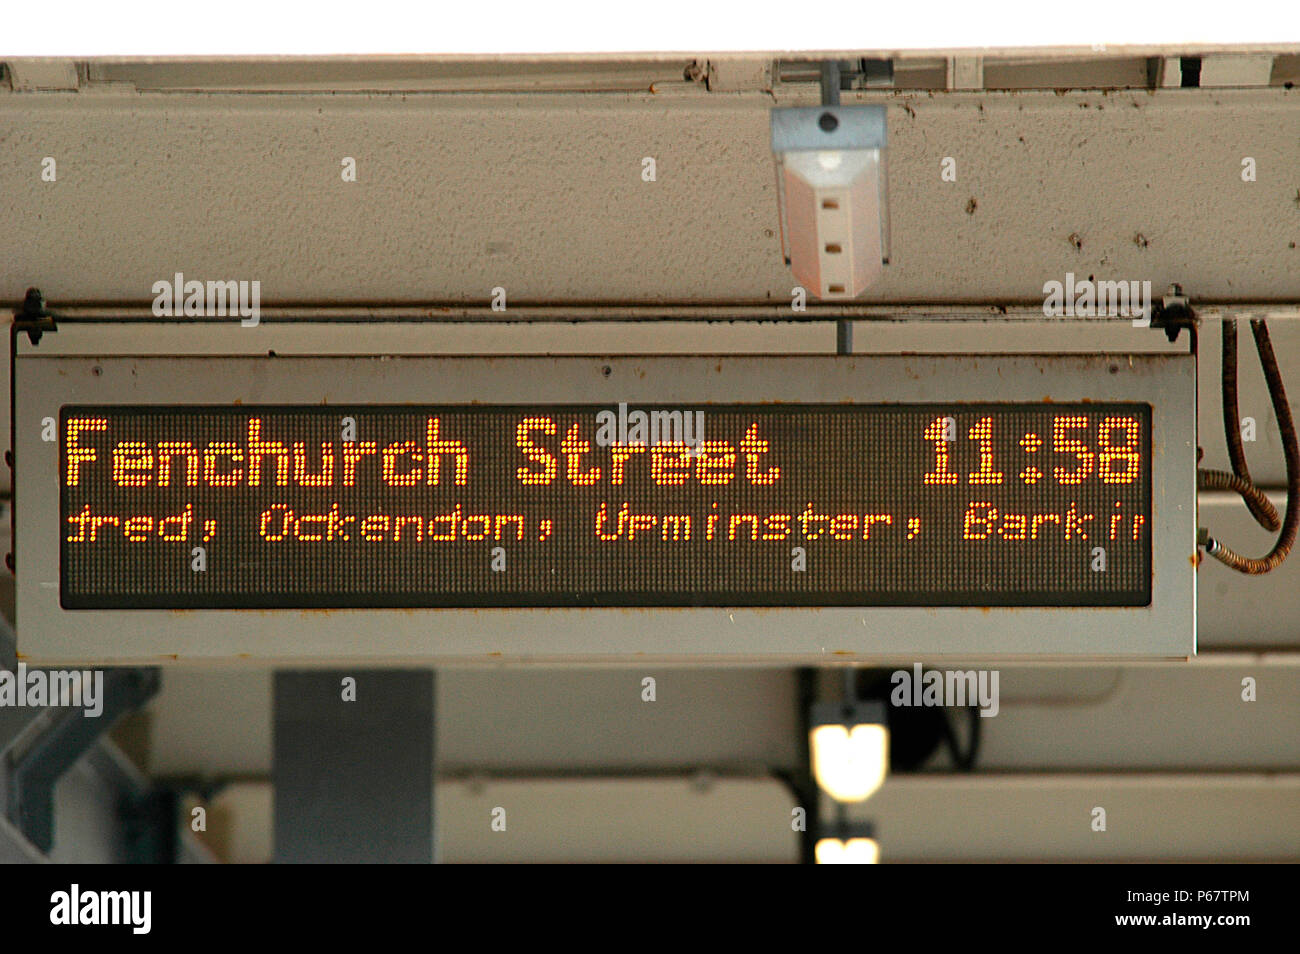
(831, 188)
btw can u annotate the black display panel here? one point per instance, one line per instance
(581, 505)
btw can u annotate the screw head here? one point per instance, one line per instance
(828, 122)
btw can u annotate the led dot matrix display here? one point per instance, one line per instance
(508, 506)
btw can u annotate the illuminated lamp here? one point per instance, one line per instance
(850, 748)
(849, 848)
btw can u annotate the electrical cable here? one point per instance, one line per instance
(1257, 501)
(1260, 507)
(1290, 448)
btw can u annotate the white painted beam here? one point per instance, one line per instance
(1236, 69)
(1167, 716)
(1180, 817)
(42, 73)
(543, 195)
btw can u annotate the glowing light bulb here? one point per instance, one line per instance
(849, 762)
(855, 851)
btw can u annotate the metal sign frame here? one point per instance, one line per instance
(46, 378)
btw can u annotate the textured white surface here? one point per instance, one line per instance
(543, 195)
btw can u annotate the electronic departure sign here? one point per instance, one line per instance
(544, 505)
(603, 508)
